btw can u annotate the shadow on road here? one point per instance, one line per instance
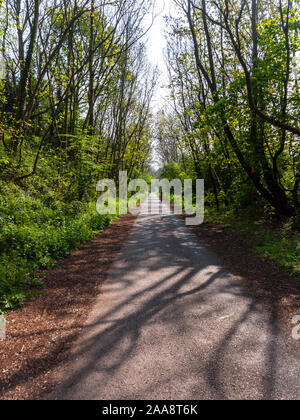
(172, 322)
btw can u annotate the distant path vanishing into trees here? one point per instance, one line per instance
(171, 323)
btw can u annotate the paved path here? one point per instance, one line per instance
(171, 323)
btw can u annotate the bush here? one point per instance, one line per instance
(33, 234)
(16, 281)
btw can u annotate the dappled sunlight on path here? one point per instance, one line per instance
(171, 323)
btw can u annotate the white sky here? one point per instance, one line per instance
(156, 46)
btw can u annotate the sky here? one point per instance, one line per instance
(156, 46)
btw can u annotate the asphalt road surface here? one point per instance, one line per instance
(171, 323)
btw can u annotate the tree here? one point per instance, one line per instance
(237, 103)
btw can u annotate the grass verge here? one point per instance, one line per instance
(274, 241)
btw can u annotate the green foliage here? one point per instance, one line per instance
(296, 221)
(172, 171)
(235, 87)
(33, 235)
(75, 111)
(278, 243)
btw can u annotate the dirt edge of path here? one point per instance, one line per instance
(40, 335)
